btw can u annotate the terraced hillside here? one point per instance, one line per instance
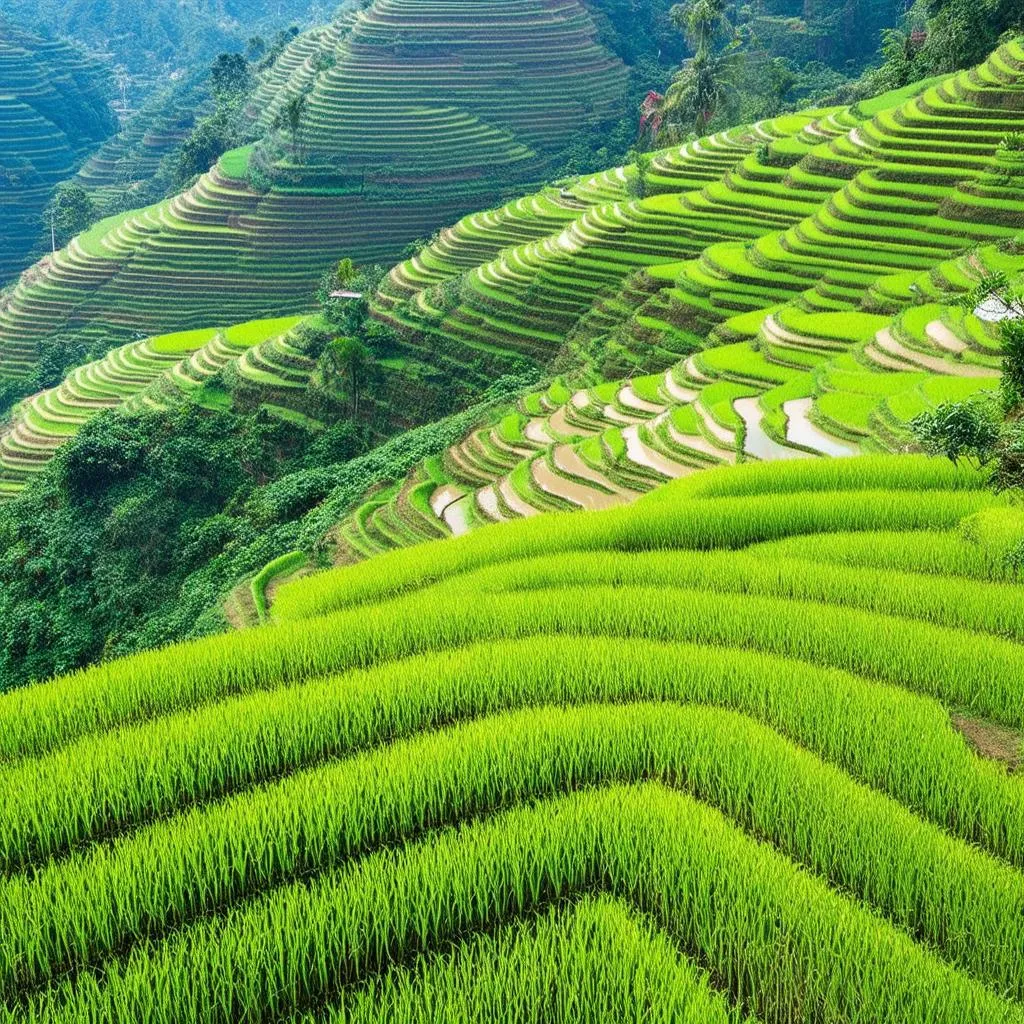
(418, 111)
(150, 374)
(824, 335)
(812, 386)
(53, 110)
(702, 758)
(807, 213)
(127, 164)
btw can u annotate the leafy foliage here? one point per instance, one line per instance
(937, 36)
(137, 528)
(959, 430)
(231, 79)
(70, 211)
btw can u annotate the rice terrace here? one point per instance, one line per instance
(512, 511)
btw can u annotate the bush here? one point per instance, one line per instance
(960, 430)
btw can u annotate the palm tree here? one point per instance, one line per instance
(706, 81)
(705, 84)
(701, 21)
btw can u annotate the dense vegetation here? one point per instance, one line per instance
(625, 587)
(117, 549)
(148, 41)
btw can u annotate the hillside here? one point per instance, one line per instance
(606, 609)
(822, 329)
(129, 163)
(816, 313)
(808, 212)
(153, 40)
(705, 755)
(53, 111)
(589, 278)
(401, 133)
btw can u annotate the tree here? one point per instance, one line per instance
(706, 82)
(70, 211)
(349, 359)
(960, 430)
(230, 78)
(210, 137)
(345, 273)
(348, 315)
(701, 21)
(701, 90)
(639, 185)
(290, 118)
(1011, 333)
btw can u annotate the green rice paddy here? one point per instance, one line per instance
(712, 749)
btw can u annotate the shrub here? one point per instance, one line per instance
(960, 430)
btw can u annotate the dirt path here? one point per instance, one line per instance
(942, 336)
(858, 140)
(561, 425)
(613, 415)
(699, 443)
(800, 430)
(537, 431)
(631, 400)
(995, 742)
(514, 502)
(691, 369)
(724, 434)
(888, 362)
(568, 461)
(887, 343)
(677, 391)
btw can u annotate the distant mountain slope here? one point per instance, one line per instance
(151, 38)
(418, 111)
(53, 110)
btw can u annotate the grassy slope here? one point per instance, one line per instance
(816, 834)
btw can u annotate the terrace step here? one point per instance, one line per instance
(887, 344)
(570, 489)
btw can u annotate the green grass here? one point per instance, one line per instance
(182, 342)
(697, 749)
(706, 756)
(282, 566)
(235, 163)
(254, 331)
